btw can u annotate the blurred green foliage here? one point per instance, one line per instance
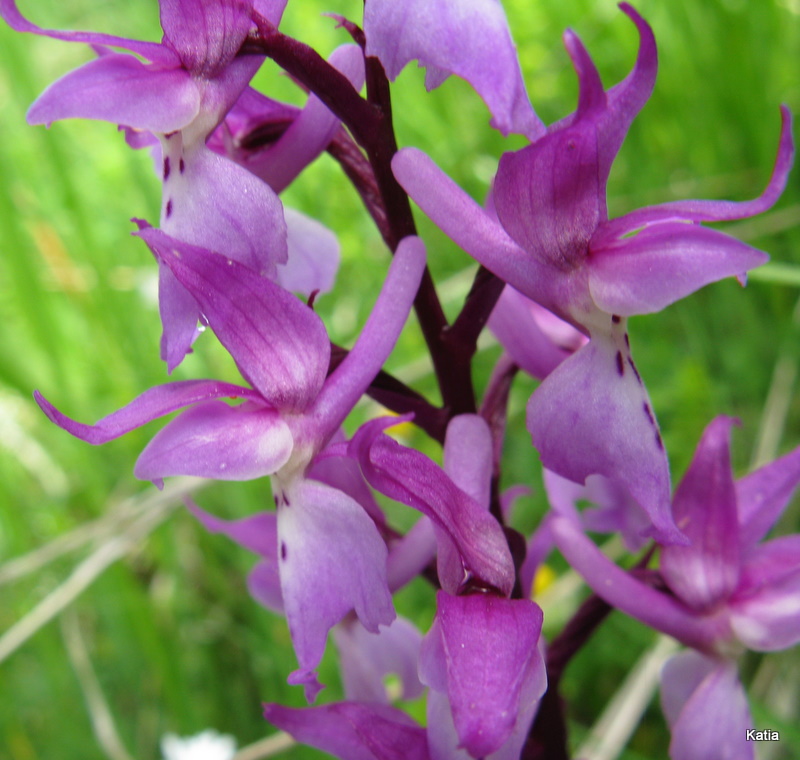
(177, 643)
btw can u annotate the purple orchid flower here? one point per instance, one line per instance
(468, 38)
(555, 244)
(194, 76)
(331, 556)
(728, 590)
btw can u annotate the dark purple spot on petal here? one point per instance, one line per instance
(616, 318)
(659, 442)
(166, 168)
(182, 166)
(170, 135)
(285, 500)
(620, 364)
(169, 208)
(276, 499)
(627, 340)
(635, 371)
(649, 413)
(283, 550)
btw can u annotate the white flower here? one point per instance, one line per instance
(208, 745)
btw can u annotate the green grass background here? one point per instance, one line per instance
(176, 642)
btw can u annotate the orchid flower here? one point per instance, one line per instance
(727, 590)
(468, 38)
(331, 556)
(194, 76)
(555, 244)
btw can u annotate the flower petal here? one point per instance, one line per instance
(468, 456)
(470, 39)
(763, 495)
(515, 323)
(122, 90)
(150, 405)
(706, 572)
(152, 51)
(310, 132)
(216, 204)
(206, 34)
(353, 730)
(486, 648)
(180, 314)
(662, 264)
(313, 256)
(711, 211)
(214, 440)
(472, 227)
(621, 590)
(470, 538)
(765, 610)
(278, 343)
(365, 659)
(350, 379)
(332, 560)
(592, 416)
(714, 721)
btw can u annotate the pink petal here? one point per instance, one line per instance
(468, 38)
(765, 610)
(763, 495)
(592, 416)
(332, 560)
(313, 256)
(468, 456)
(152, 404)
(621, 590)
(351, 378)
(152, 51)
(278, 343)
(486, 649)
(206, 34)
(214, 440)
(662, 264)
(122, 90)
(714, 721)
(353, 730)
(366, 659)
(467, 532)
(706, 572)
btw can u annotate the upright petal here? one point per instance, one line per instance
(122, 90)
(353, 730)
(145, 408)
(592, 415)
(706, 572)
(711, 211)
(351, 378)
(278, 343)
(763, 495)
(332, 560)
(214, 440)
(481, 650)
(206, 34)
(469, 38)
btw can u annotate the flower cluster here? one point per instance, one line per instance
(558, 281)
